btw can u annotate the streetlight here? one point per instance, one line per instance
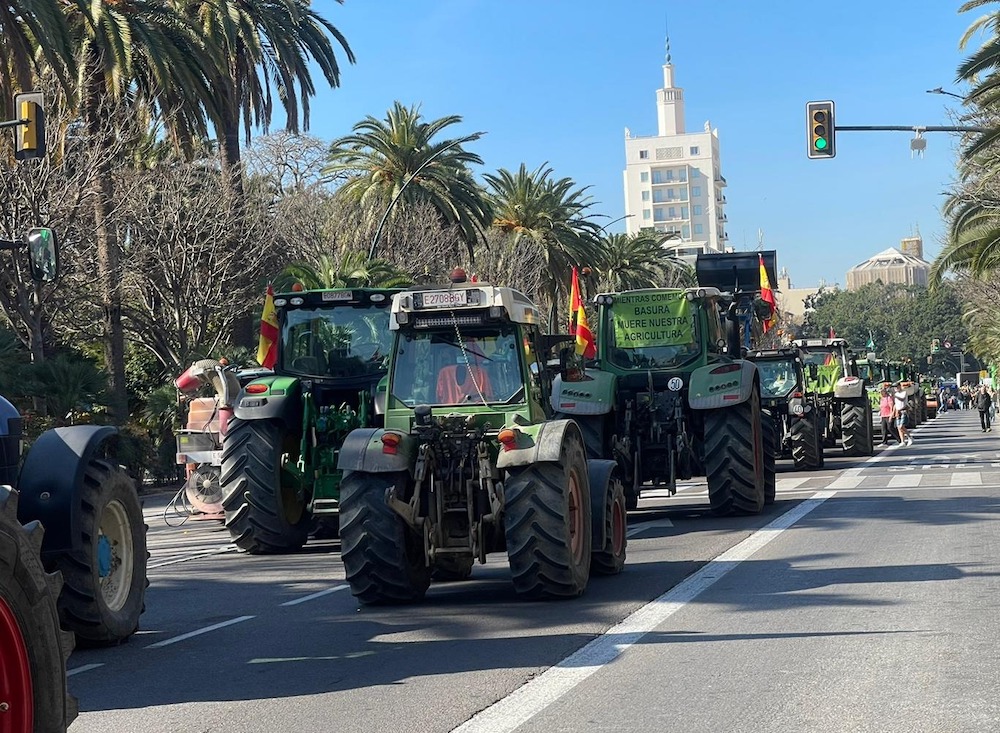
(939, 90)
(388, 209)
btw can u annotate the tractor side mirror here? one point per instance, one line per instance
(43, 254)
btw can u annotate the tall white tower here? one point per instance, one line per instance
(673, 180)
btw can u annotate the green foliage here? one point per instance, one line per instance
(352, 269)
(633, 261)
(903, 320)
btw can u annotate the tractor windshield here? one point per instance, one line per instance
(335, 341)
(777, 378)
(441, 368)
(829, 367)
(651, 330)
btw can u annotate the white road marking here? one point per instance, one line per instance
(534, 696)
(194, 556)
(84, 668)
(313, 596)
(643, 526)
(966, 479)
(199, 632)
(787, 484)
(849, 479)
(904, 482)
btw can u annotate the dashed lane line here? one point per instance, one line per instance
(199, 632)
(314, 596)
(83, 668)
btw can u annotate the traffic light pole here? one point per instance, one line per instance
(13, 123)
(904, 128)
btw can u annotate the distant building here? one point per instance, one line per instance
(791, 301)
(673, 180)
(892, 267)
(913, 246)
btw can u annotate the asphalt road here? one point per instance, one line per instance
(866, 599)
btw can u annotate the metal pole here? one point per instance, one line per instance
(385, 216)
(912, 128)
(14, 123)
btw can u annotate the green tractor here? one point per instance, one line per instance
(668, 401)
(875, 373)
(279, 475)
(469, 462)
(794, 409)
(842, 393)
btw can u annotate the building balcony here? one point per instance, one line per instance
(720, 181)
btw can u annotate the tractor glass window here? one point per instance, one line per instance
(777, 378)
(439, 368)
(340, 342)
(649, 355)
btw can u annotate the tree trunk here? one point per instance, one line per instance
(229, 148)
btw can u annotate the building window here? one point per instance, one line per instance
(645, 195)
(643, 154)
(646, 214)
(684, 194)
(699, 229)
(695, 150)
(695, 191)
(672, 211)
(697, 209)
(684, 212)
(670, 175)
(657, 176)
(671, 195)
(644, 177)
(685, 232)
(683, 176)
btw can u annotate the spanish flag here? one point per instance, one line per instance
(574, 302)
(586, 345)
(767, 295)
(267, 347)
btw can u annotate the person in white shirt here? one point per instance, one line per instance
(900, 412)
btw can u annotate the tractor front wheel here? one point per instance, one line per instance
(547, 524)
(856, 427)
(265, 513)
(807, 445)
(383, 558)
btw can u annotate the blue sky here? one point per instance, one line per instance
(558, 81)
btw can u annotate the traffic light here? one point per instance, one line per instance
(29, 138)
(935, 346)
(821, 134)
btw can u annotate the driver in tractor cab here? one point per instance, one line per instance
(468, 378)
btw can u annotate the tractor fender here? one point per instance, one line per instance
(599, 470)
(280, 401)
(52, 477)
(594, 394)
(541, 443)
(849, 388)
(721, 385)
(362, 451)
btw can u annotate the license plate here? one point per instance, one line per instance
(444, 298)
(337, 295)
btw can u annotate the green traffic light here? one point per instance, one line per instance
(820, 143)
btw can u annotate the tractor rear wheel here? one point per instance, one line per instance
(547, 524)
(105, 576)
(593, 428)
(33, 649)
(383, 558)
(610, 559)
(856, 427)
(770, 438)
(734, 457)
(265, 513)
(807, 445)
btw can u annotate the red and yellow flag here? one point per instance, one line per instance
(586, 344)
(574, 302)
(267, 347)
(767, 295)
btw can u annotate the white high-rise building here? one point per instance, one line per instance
(673, 180)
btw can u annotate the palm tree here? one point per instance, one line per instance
(27, 27)
(383, 156)
(260, 47)
(352, 270)
(633, 261)
(552, 213)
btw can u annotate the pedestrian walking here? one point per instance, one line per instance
(885, 406)
(899, 412)
(983, 404)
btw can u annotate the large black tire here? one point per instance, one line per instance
(383, 558)
(33, 649)
(547, 524)
(263, 515)
(807, 444)
(105, 576)
(770, 438)
(856, 427)
(594, 430)
(610, 559)
(734, 457)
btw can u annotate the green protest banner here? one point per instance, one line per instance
(652, 319)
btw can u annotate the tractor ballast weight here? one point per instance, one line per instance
(280, 480)
(667, 402)
(469, 462)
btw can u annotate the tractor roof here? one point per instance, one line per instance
(691, 293)
(821, 343)
(784, 352)
(433, 306)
